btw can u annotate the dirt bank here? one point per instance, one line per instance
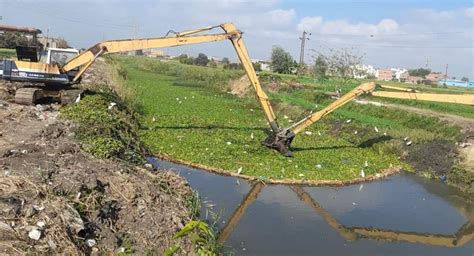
(57, 199)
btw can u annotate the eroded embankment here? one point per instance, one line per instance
(57, 198)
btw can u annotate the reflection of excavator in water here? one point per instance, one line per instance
(463, 236)
(59, 76)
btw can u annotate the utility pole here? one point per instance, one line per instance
(303, 39)
(446, 74)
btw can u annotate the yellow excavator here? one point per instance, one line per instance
(59, 76)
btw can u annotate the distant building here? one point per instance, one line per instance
(264, 65)
(51, 42)
(155, 53)
(384, 74)
(364, 71)
(415, 79)
(435, 77)
(456, 83)
(217, 60)
(400, 74)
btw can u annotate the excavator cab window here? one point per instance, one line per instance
(27, 53)
(61, 57)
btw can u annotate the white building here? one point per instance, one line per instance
(400, 74)
(364, 71)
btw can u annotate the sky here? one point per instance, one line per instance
(401, 33)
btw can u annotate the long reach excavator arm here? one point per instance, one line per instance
(86, 58)
(280, 139)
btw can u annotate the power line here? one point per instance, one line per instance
(390, 35)
(400, 46)
(39, 10)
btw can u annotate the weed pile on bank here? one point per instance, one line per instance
(106, 127)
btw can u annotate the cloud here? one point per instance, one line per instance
(309, 23)
(469, 12)
(282, 17)
(433, 15)
(318, 25)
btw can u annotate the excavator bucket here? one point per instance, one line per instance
(281, 142)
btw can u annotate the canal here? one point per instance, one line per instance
(400, 215)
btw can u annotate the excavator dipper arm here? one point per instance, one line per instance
(282, 141)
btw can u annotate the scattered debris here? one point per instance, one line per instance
(308, 133)
(111, 105)
(34, 234)
(376, 129)
(91, 242)
(408, 143)
(348, 120)
(40, 224)
(318, 166)
(362, 173)
(239, 170)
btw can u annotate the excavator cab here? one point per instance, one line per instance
(59, 56)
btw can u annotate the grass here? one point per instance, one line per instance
(7, 53)
(187, 115)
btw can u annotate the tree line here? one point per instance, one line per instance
(203, 60)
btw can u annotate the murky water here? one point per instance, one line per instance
(401, 215)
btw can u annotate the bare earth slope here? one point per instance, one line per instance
(54, 198)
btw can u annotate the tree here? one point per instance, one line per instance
(320, 67)
(62, 43)
(201, 60)
(233, 66)
(225, 61)
(419, 72)
(281, 60)
(212, 64)
(185, 59)
(465, 79)
(11, 40)
(342, 64)
(257, 66)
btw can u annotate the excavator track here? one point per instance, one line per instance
(28, 95)
(32, 95)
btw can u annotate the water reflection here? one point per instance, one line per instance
(460, 238)
(401, 215)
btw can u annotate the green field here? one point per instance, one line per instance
(456, 109)
(7, 53)
(188, 115)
